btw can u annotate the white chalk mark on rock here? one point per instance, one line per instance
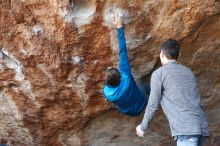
(24, 51)
(76, 59)
(12, 63)
(109, 16)
(82, 12)
(37, 29)
(148, 37)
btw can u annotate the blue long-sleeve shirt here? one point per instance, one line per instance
(127, 96)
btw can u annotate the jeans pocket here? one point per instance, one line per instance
(187, 140)
(193, 139)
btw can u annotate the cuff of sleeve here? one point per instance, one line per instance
(144, 130)
(120, 29)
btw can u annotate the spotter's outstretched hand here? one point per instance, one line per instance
(139, 132)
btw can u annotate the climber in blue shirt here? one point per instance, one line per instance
(120, 87)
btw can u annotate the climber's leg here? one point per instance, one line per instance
(113, 106)
(144, 87)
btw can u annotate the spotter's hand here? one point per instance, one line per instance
(139, 132)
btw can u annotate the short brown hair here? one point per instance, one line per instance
(112, 77)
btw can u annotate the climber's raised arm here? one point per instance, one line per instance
(124, 64)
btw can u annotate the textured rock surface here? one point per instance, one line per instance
(54, 53)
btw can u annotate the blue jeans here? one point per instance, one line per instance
(189, 140)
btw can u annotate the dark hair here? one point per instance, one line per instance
(171, 49)
(112, 77)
